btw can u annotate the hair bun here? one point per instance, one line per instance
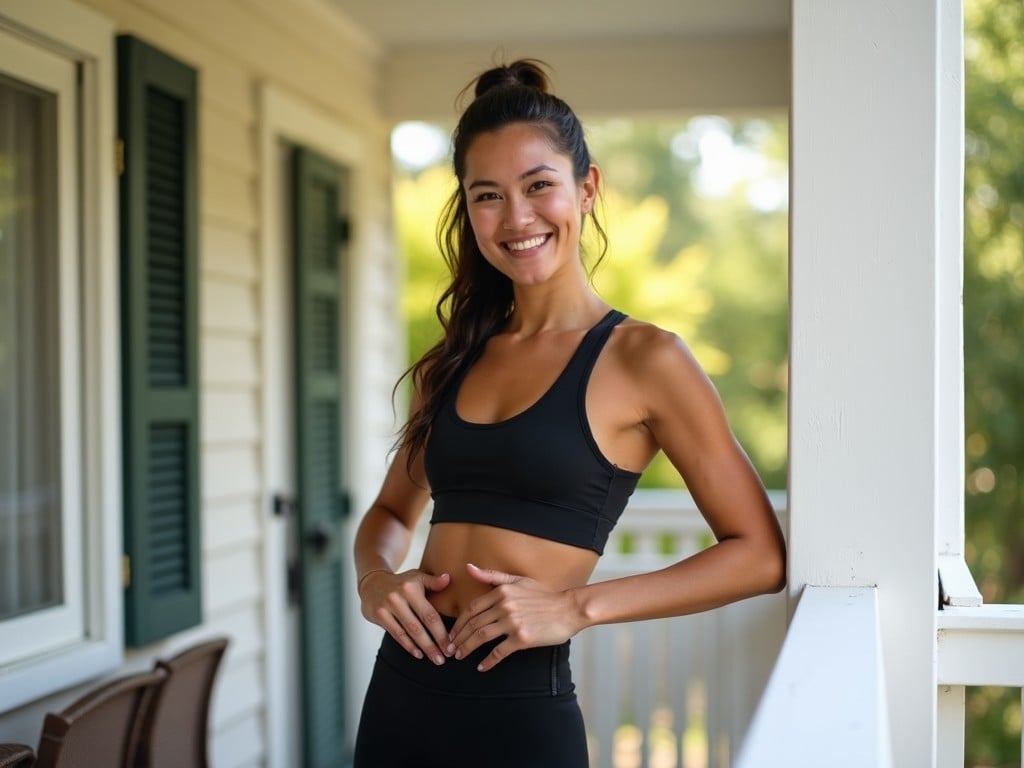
(527, 73)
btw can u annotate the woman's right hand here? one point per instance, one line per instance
(398, 603)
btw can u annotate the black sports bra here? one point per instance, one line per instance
(539, 472)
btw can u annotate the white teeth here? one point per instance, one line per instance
(523, 245)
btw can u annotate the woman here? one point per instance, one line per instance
(531, 422)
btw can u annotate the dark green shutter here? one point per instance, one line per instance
(157, 102)
(321, 503)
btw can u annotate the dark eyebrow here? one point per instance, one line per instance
(531, 172)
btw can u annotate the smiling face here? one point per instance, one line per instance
(524, 204)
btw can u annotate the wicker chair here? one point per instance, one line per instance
(176, 728)
(16, 756)
(102, 728)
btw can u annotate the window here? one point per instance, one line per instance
(60, 600)
(40, 498)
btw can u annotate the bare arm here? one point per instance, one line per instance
(686, 419)
(385, 532)
(397, 601)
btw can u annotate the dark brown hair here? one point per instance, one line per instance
(478, 301)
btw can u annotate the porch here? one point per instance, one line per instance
(857, 664)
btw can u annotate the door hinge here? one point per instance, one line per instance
(119, 156)
(126, 571)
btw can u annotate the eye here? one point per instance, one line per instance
(485, 197)
(539, 185)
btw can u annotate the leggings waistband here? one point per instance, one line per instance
(543, 671)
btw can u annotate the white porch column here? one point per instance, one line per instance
(870, 300)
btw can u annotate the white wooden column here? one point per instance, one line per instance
(957, 583)
(870, 304)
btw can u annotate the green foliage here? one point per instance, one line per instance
(712, 269)
(993, 330)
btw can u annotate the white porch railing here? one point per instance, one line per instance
(673, 693)
(825, 704)
(801, 721)
(979, 645)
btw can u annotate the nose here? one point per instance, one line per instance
(518, 213)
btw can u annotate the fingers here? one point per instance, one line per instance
(484, 628)
(437, 583)
(499, 652)
(398, 604)
(490, 576)
(517, 612)
(416, 633)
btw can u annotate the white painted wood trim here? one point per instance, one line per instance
(825, 703)
(981, 646)
(949, 400)
(950, 727)
(957, 583)
(283, 116)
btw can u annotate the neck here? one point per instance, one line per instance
(537, 311)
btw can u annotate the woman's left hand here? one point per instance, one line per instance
(526, 612)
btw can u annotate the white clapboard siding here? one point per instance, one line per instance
(228, 252)
(230, 416)
(233, 30)
(229, 472)
(231, 579)
(239, 688)
(227, 140)
(231, 524)
(328, 35)
(238, 743)
(244, 628)
(229, 306)
(228, 196)
(225, 83)
(235, 712)
(230, 360)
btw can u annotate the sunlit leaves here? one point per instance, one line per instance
(993, 334)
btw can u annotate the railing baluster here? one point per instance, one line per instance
(635, 672)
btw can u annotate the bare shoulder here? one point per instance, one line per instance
(674, 390)
(653, 354)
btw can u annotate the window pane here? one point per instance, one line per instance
(30, 499)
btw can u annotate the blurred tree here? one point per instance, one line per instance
(993, 333)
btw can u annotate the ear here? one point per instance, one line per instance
(588, 189)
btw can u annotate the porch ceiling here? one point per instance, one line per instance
(398, 23)
(608, 56)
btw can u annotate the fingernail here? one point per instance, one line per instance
(450, 649)
(417, 653)
(458, 654)
(439, 659)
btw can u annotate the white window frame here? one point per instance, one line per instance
(90, 362)
(57, 625)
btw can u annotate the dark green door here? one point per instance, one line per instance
(323, 563)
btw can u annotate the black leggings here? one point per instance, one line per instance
(520, 714)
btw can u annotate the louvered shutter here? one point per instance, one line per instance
(159, 334)
(322, 503)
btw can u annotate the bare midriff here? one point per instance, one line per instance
(450, 546)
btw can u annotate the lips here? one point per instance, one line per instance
(526, 244)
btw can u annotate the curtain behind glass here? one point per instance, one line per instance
(30, 504)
